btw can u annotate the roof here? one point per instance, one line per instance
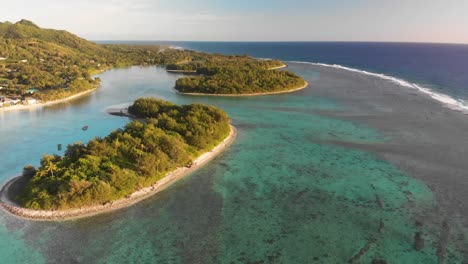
(33, 90)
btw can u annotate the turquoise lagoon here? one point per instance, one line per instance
(280, 194)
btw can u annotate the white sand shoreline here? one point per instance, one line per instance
(251, 94)
(181, 71)
(171, 177)
(192, 71)
(38, 105)
(278, 67)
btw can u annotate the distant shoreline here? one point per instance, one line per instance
(192, 71)
(137, 196)
(250, 94)
(180, 71)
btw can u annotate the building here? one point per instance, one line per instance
(30, 101)
(24, 60)
(2, 58)
(32, 91)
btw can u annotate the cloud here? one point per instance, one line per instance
(249, 20)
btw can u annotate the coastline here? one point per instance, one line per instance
(71, 97)
(24, 107)
(251, 94)
(137, 196)
(188, 72)
(180, 71)
(278, 67)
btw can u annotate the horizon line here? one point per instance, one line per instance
(286, 41)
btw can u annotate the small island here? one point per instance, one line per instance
(165, 142)
(221, 75)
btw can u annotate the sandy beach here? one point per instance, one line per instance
(23, 107)
(181, 71)
(184, 71)
(250, 94)
(38, 215)
(278, 67)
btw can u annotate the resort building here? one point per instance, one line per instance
(30, 101)
(32, 91)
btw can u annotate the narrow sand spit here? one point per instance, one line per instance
(251, 94)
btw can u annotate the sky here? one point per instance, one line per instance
(250, 20)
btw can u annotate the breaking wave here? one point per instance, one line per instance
(446, 100)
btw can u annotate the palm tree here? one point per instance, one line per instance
(50, 167)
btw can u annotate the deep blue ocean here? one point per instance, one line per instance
(442, 68)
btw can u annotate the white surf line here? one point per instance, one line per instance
(446, 100)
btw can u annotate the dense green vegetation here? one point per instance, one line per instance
(204, 63)
(128, 159)
(219, 74)
(59, 64)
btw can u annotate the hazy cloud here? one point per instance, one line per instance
(357, 20)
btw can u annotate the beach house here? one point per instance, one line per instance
(32, 91)
(30, 101)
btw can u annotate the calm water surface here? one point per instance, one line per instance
(280, 194)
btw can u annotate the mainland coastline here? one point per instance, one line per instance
(47, 103)
(7, 191)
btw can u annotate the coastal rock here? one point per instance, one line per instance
(379, 261)
(418, 241)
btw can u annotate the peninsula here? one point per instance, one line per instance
(126, 166)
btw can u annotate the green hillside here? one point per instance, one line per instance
(59, 64)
